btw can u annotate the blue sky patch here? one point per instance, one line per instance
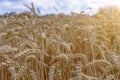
(49, 6)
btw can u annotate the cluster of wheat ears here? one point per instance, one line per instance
(60, 47)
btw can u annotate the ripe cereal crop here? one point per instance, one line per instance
(60, 47)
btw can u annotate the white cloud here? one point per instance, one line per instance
(46, 6)
(6, 4)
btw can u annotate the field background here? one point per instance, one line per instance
(60, 47)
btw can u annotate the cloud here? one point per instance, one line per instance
(11, 5)
(48, 6)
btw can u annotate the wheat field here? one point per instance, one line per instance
(60, 47)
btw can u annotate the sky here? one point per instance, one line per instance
(56, 6)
